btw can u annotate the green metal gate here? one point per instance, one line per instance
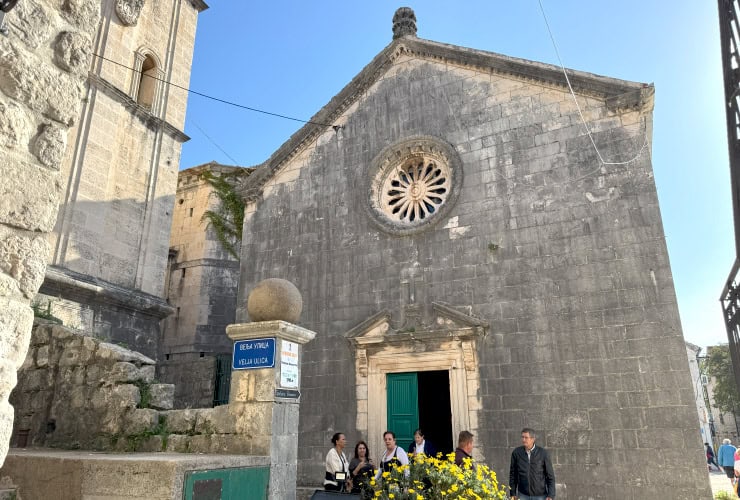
(403, 406)
(222, 382)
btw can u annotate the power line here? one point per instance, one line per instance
(223, 101)
(215, 144)
(578, 106)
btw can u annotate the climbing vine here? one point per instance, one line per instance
(227, 218)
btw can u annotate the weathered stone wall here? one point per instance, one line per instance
(120, 176)
(76, 392)
(122, 172)
(43, 65)
(563, 257)
(193, 377)
(201, 286)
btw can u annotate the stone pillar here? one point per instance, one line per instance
(265, 383)
(44, 60)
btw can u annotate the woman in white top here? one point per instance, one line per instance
(393, 455)
(337, 465)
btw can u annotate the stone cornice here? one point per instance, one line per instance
(617, 94)
(219, 263)
(199, 5)
(152, 122)
(444, 309)
(281, 329)
(376, 319)
(71, 285)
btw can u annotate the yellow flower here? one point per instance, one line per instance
(386, 474)
(391, 495)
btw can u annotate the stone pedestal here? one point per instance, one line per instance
(268, 388)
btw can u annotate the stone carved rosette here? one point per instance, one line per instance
(128, 11)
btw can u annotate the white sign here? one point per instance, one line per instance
(288, 375)
(289, 353)
(288, 364)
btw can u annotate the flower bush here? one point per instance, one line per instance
(434, 478)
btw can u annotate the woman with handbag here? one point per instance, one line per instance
(337, 466)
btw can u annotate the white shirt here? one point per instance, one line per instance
(336, 463)
(399, 453)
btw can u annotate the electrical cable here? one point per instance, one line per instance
(223, 101)
(214, 143)
(580, 113)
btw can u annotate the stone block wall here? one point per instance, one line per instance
(120, 177)
(76, 392)
(43, 66)
(193, 377)
(202, 286)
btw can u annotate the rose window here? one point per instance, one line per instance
(415, 190)
(413, 184)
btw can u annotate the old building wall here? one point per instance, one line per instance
(44, 61)
(698, 387)
(121, 173)
(202, 286)
(561, 256)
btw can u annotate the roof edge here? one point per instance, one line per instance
(617, 93)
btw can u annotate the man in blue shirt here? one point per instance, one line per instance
(726, 458)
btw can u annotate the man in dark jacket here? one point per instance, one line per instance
(464, 449)
(531, 476)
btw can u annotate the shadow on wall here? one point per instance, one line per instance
(117, 281)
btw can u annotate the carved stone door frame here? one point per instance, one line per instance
(449, 345)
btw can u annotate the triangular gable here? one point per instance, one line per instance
(447, 322)
(618, 94)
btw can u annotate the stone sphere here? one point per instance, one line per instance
(275, 299)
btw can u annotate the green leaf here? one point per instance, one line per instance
(227, 219)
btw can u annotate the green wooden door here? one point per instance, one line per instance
(403, 406)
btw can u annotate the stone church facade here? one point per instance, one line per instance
(461, 248)
(109, 247)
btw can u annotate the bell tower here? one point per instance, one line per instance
(110, 244)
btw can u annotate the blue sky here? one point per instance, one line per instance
(292, 57)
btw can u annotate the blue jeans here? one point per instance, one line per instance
(527, 497)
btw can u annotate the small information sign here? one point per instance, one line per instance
(289, 364)
(287, 393)
(255, 353)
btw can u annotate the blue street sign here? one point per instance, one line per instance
(251, 354)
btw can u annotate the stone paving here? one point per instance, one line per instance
(719, 483)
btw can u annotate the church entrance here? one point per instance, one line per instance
(420, 400)
(425, 376)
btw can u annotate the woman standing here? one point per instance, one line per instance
(337, 466)
(421, 445)
(393, 455)
(361, 467)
